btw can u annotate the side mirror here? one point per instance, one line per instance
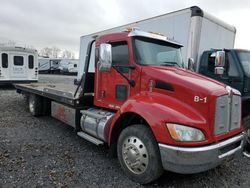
(191, 64)
(105, 57)
(219, 59)
(219, 62)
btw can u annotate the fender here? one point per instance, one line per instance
(158, 109)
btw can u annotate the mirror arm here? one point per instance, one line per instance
(131, 82)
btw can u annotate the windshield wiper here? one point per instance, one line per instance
(169, 63)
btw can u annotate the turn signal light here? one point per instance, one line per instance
(130, 29)
(156, 33)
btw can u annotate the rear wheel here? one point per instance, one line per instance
(246, 125)
(46, 106)
(35, 105)
(138, 154)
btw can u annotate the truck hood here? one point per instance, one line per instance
(183, 80)
(197, 92)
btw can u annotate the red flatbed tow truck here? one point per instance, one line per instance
(151, 112)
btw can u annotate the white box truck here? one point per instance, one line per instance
(18, 64)
(195, 29)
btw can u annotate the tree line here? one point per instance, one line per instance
(55, 52)
(51, 52)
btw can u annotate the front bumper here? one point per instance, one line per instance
(198, 159)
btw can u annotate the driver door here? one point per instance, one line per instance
(113, 89)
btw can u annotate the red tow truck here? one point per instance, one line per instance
(151, 112)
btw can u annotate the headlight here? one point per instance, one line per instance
(184, 133)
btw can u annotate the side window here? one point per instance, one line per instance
(31, 61)
(207, 64)
(210, 65)
(120, 55)
(4, 60)
(231, 67)
(18, 60)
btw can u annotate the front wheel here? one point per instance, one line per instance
(139, 155)
(246, 125)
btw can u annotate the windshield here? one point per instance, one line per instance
(156, 52)
(245, 61)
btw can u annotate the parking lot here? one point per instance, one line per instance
(43, 152)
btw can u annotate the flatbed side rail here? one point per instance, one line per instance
(24, 89)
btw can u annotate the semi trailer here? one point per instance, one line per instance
(18, 64)
(201, 34)
(150, 111)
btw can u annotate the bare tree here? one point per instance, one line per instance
(66, 54)
(46, 52)
(11, 43)
(55, 52)
(8, 43)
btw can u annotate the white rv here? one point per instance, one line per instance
(69, 66)
(48, 65)
(195, 29)
(18, 65)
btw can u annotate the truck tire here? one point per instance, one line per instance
(246, 125)
(46, 106)
(35, 105)
(139, 155)
(26, 98)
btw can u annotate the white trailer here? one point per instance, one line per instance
(48, 65)
(69, 66)
(18, 65)
(195, 29)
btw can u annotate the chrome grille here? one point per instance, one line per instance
(227, 114)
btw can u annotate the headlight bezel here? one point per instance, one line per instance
(184, 133)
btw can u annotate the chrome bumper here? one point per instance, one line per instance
(197, 159)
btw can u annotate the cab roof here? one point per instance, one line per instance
(133, 32)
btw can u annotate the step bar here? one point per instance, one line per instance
(90, 138)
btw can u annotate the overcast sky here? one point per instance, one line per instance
(42, 23)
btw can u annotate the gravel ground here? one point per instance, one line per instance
(43, 152)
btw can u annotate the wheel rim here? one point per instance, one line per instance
(135, 155)
(31, 105)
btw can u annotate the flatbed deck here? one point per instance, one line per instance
(58, 92)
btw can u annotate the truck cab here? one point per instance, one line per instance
(236, 74)
(151, 112)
